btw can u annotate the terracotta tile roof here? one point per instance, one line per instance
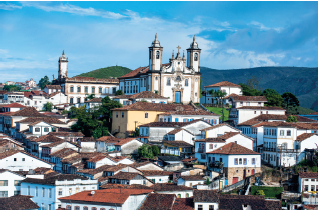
(155, 173)
(259, 108)
(183, 204)
(54, 144)
(95, 171)
(230, 95)
(140, 164)
(48, 120)
(175, 131)
(14, 105)
(304, 119)
(308, 174)
(169, 187)
(189, 159)
(67, 134)
(233, 149)
(178, 143)
(124, 175)
(78, 158)
(223, 83)
(118, 158)
(97, 158)
(310, 207)
(48, 139)
(87, 139)
(42, 170)
(158, 202)
(307, 126)
(116, 167)
(273, 205)
(228, 135)
(63, 152)
(53, 87)
(169, 124)
(192, 177)
(304, 136)
(13, 152)
(116, 186)
(137, 72)
(52, 180)
(147, 95)
(205, 196)
(91, 79)
(191, 113)
(147, 106)
(54, 93)
(18, 202)
(126, 140)
(219, 125)
(108, 139)
(28, 112)
(275, 124)
(94, 100)
(250, 98)
(220, 139)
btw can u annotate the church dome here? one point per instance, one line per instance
(156, 43)
(194, 44)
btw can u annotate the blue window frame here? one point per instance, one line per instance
(176, 120)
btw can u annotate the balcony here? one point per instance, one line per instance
(170, 151)
(232, 116)
(289, 150)
(201, 150)
(269, 149)
(216, 164)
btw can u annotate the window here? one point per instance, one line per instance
(71, 89)
(93, 89)
(78, 100)
(16, 192)
(43, 192)
(76, 207)
(50, 192)
(93, 208)
(168, 81)
(3, 193)
(17, 182)
(200, 207)
(122, 115)
(253, 161)
(248, 103)
(195, 56)
(102, 209)
(46, 129)
(236, 161)
(210, 146)
(281, 132)
(3, 182)
(255, 112)
(86, 89)
(241, 103)
(85, 208)
(306, 188)
(186, 82)
(179, 195)
(211, 207)
(79, 89)
(187, 195)
(157, 55)
(49, 207)
(37, 129)
(288, 132)
(71, 100)
(60, 192)
(117, 114)
(29, 190)
(240, 161)
(14, 159)
(68, 207)
(312, 188)
(146, 115)
(100, 90)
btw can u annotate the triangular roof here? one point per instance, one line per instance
(233, 149)
(223, 84)
(14, 105)
(219, 125)
(28, 112)
(305, 136)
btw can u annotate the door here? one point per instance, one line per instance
(277, 161)
(244, 174)
(269, 159)
(177, 97)
(234, 180)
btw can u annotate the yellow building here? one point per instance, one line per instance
(184, 147)
(126, 119)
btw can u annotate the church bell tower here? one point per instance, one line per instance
(63, 67)
(155, 55)
(194, 55)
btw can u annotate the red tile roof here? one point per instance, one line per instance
(183, 204)
(250, 98)
(191, 113)
(233, 149)
(18, 202)
(147, 106)
(304, 136)
(67, 134)
(48, 139)
(169, 124)
(219, 139)
(169, 187)
(48, 120)
(63, 152)
(223, 83)
(136, 72)
(308, 174)
(219, 125)
(28, 112)
(158, 202)
(94, 100)
(155, 173)
(178, 143)
(53, 87)
(259, 108)
(14, 105)
(193, 178)
(147, 95)
(124, 175)
(95, 171)
(118, 186)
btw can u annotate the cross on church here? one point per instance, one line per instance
(178, 48)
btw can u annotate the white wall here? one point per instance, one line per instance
(13, 183)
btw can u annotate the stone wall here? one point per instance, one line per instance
(230, 173)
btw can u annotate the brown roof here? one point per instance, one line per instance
(116, 167)
(304, 136)
(158, 202)
(48, 120)
(108, 139)
(219, 139)
(169, 124)
(147, 106)
(98, 158)
(178, 143)
(111, 196)
(275, 124)
(314, 113)
(260, 108)
(175, 131)
(308, 174)
(53, 144)
(307, 126)
(18, 202)
(91, 79)
(183, 204)
(14, 105)
(228, 135)
(147, 95)
(48, 138)
(136, 72)
(205, 196)
(87, 139)
(79, 157)
(310, 207)
(233, 94)
(124, 175)
(95, 171)
(94, 100)
(53, 87)
(219, 125)
(28, 112)
(189, 159)
(155, 173)
(133, 186)
(52, 180)
(137, 165)
(169, 187)
(192, 178)
(223, 83)
(54, 93)
(191, 113)
(67, 134)
(250, 98)
(63, 152)
(233, 149)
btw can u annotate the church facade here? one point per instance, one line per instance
(178, 80)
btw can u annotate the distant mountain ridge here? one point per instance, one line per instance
(301, 81)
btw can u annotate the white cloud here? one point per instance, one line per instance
(263, 27)
(9, 7)
(69, 8)
(3, 51)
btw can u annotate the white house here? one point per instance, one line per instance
(127, 146)
(148, 166)
(16, 160)
(56, 146)
(180, 134)
(93, 103)
(206, 199)
(308, 181)
(49, 89)
(217, 130)
(129, 178)
(158, 176)
(10, 183)
(100, 160)
(180, 191)
(187, 116)
(224, 86)
(191, 180)
(142, 96)
(47, 192)
(13, 107)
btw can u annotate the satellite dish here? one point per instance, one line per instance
(92, 192)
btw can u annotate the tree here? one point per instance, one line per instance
(290, 102)
(247, 91)
(43, 82)
(260, 192)
(119, 92)
(155, 150)
(273, 97)
(143, 100)
(136, 132)
(292, 119)
(12, 88)
(253, 83)
(208, 181)
(48, 106)
(90, 96)
(145, 151)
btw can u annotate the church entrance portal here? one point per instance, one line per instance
(177, 97)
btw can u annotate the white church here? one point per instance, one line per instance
(179, 80)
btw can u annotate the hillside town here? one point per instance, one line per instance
(154, 139)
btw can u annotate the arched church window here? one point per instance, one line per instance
(158, 55)
(196, 57)
(186, 82)
(168, 81)
(71, 89)
(178, 78)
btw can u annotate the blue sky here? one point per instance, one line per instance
(101, 34)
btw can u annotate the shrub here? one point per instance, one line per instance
(268, 191)
(260, 192)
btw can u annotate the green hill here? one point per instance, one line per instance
(301, 81)
(112, 71)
